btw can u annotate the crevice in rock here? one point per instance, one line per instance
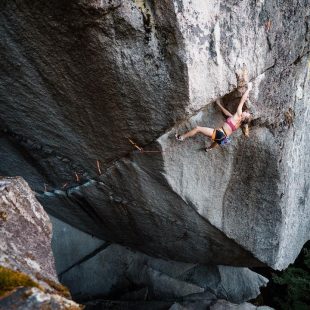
(267, 69)
(295, 62)
(275, 64)
(148, 20)
(25, 147)
(269, 43)
(298, 60)
(78, 198)
(39, 157)
(85, 258)
(307, 29)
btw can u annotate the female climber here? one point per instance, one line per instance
(232, 123)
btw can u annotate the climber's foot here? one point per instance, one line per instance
(179, 137)
(246, 130)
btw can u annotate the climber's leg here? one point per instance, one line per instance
(212, 146)
(204, 130)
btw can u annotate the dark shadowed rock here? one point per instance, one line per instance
(193, 305)
(225, 305)
(94, 269)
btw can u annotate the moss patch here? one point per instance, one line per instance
(61, 289)
(3, 215)
(11, 279)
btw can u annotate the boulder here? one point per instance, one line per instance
(26, 231)
(88, 83)
(28, 278)
(225, 305)
(96, 270)
(71, 245)
(26, 298)
(196, 305)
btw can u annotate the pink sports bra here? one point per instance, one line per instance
(230, 124)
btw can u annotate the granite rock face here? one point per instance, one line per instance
(25, 230)
(26, 298)
(94, 269)
(28, 276)
(81, 77)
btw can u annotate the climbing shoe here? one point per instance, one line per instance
(179, 137)
(246, 130)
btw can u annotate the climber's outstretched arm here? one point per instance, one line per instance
(243, 99)
(226, 112)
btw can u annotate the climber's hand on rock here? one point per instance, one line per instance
(250, 86)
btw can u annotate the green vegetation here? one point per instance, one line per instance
(3, 215)
(11, 279)
(295, 281)
(61, 289)
(288, 289)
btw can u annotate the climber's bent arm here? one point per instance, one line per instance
(242, 101)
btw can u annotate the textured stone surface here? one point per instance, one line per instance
(70, 245)
(194, 305)
(26, 298)
(89, 65)
(25, 247)
(25, 230)
(225, 305)
(92, 270)
(139, 221)
(80, 77)
(262, 204)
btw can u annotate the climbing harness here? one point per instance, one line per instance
(220, 137)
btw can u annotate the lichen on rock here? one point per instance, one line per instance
(10, 279)
(28, 278)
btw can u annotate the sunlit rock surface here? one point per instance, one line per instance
(26, 298)
(25, 230)
(81, 77)
(27, 274)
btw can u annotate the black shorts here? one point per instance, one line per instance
(218, 135)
